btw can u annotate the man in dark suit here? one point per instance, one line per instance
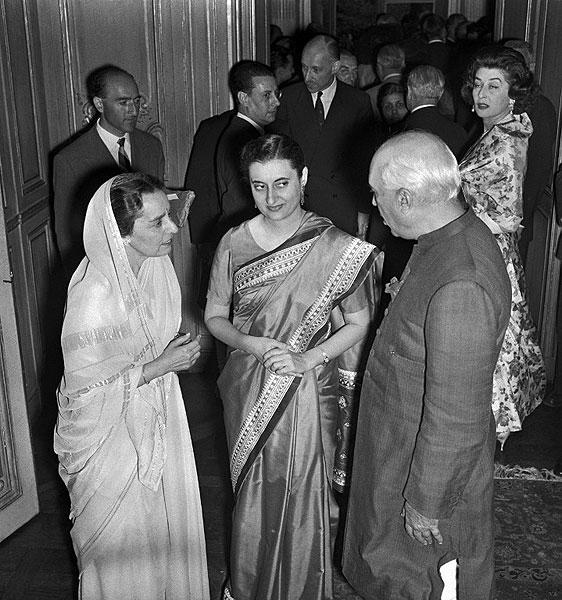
(425, 87)
(422, 486)
(222, 199)
(333, 123)
(256, 97)
(438, 52)
(109, 147)
(201, 177)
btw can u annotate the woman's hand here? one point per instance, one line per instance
(259, 346)
(283, 361)
(180, 354)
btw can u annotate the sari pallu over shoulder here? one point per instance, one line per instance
(287, 294)
(113, 324)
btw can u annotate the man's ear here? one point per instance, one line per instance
(336, 66)
(98, 104)
(242, 98)
(405, 200)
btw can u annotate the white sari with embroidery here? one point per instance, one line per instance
(125, 451)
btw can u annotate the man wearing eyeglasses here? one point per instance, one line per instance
(112, 145)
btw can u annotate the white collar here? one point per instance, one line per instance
(109, 137)
(421, 106)
(327, 93)
(251, 121)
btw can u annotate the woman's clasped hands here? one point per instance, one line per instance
(181, 353)
(279, 359)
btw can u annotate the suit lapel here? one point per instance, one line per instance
(100, 149)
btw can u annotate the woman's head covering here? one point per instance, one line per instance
(114, 323)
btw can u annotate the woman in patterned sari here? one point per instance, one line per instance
(492, 173)
(286, 276)
(122, 435)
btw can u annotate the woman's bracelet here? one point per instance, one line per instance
(325, 358)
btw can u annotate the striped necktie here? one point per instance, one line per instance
(124, 161)
(319, 108)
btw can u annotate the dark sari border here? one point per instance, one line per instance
(279, 412)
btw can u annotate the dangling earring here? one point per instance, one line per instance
(125, 241)
(302, 196)
(511, 104)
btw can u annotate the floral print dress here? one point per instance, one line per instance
(492, 174)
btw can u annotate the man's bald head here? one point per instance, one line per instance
(415, 179)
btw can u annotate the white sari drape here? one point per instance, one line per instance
(125, 452)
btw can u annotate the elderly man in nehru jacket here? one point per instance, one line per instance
(422, 485)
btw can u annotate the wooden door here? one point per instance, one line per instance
(18, 495)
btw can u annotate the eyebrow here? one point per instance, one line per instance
(158, 217)
(278, 179)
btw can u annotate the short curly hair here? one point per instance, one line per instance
(522, 87)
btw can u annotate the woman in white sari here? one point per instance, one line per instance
(122, 434)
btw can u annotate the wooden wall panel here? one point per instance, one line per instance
(33, 256)
(29, 162)
(24, 109)
(286, 14)
(24, 163)
(10, 488)
(512, 19)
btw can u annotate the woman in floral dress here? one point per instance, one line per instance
(493, 172)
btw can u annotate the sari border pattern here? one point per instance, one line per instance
(275, 387)
(270, 266)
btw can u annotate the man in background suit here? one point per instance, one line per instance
(333, 124)
(222, 199)
(422, 486)
(438, 52)
(256, 98)
(425, 87)
(390, 65)
(111, 146)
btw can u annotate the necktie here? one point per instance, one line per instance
(124, 161)
(319, 108)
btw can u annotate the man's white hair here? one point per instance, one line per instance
(426, 83)
(421, 163)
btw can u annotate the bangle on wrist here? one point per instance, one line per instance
(325, 358)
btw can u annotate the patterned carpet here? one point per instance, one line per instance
(37, 562)
(528, 515)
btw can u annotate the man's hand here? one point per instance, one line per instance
(420, 528)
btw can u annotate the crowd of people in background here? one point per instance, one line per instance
(374, 187)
